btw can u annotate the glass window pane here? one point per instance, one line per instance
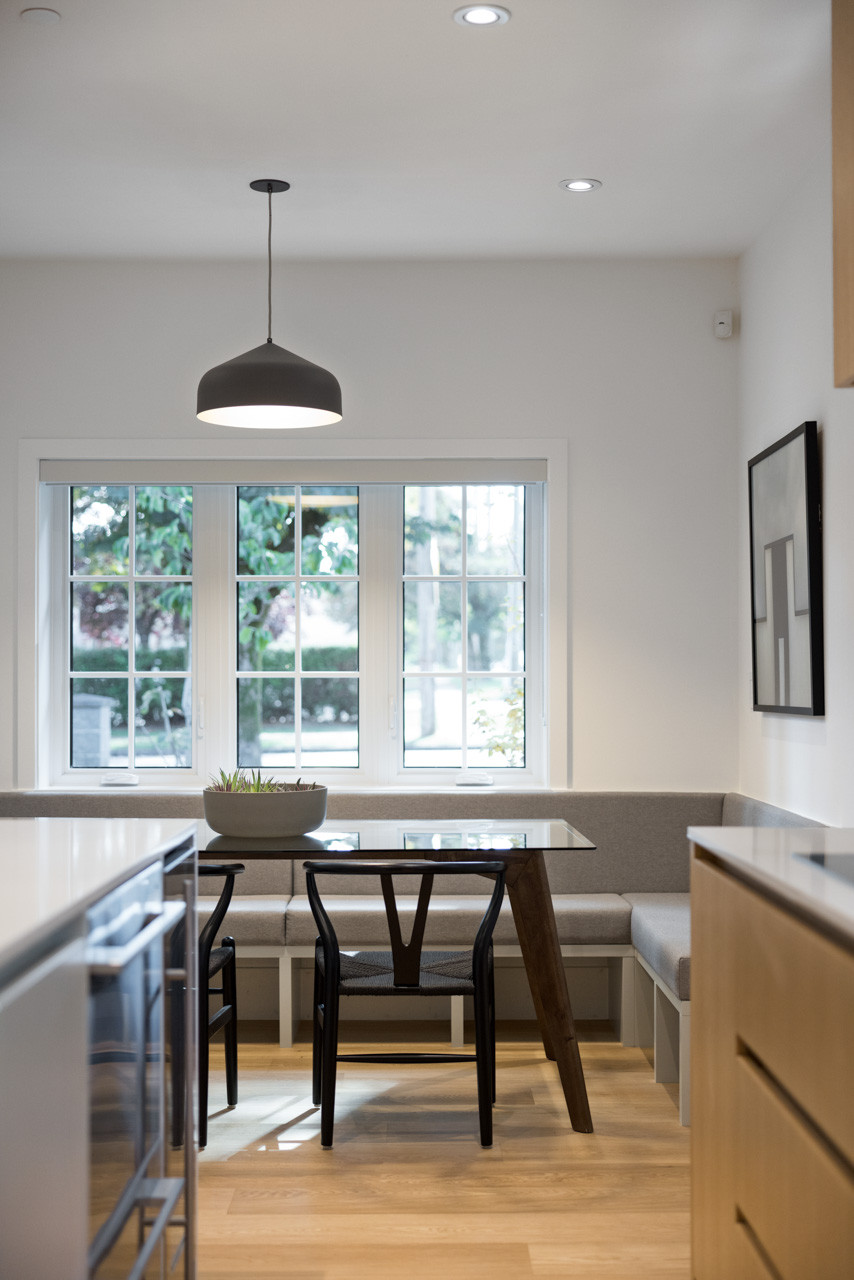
(495, 723)
(432, 722)
(99, 724)
(163, 716)
(330, 529)
(330, 723)
(163, 613)
(99, 529)
(496, 626)
(265, 722)
(266, 626)
(432, 629)
(164, 529)
(495, 528)
(432, 529)
(329, 626)
(265, 529)
(99, 626)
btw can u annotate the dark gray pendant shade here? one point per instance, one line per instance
(269, 387)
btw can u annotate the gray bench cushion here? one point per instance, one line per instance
(640, 839)
(744, 811)
(661, 932)
(360, 919)
(640, 836)
(251, 919)
(592, 918)
(261, 876)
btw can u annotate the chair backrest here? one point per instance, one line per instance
(228, 871)
(407, 956)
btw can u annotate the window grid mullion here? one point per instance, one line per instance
(132, 627)
(66, 615)
(464, 617)
(298, 627)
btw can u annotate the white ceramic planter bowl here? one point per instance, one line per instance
(265, 813)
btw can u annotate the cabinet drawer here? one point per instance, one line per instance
(794, 1009)
(797, 1195)
(747, 1262)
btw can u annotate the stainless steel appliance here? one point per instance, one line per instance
(181, 1022)
(141, 1022)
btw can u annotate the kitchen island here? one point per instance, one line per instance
(70, 964)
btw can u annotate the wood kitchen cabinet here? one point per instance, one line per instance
(773, 1056)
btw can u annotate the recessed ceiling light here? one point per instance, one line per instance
(482, 15)
(40, 15)
(579, 184)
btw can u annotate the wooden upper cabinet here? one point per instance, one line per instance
(843, 192)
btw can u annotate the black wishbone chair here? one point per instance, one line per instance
(405, 970)
(212, 961)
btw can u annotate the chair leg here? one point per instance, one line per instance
(330, 1066)
(229, 997)
(484, 1065)
(204, 1058)
(316, 1039)
(492, 1028)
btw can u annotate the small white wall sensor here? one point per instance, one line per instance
(723, 324)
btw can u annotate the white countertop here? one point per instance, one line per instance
(52, 869)
(768, 857)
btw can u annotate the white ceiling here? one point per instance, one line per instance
(133, 127)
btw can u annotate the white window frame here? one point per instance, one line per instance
(387, 462)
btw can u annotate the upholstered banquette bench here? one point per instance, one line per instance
(641, 848)
(627, 902)
(661, 938)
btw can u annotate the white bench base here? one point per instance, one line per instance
(287, 1025)
(663, 1022)
(621, 996)
(645, 1012)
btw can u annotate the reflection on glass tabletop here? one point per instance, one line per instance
(338, 835)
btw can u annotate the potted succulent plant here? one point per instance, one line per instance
(245, 804)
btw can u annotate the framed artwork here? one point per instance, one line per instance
(785, 575)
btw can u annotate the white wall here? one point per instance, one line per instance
(616, 357)
(800, 763)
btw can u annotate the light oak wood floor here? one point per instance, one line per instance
(408, 1193)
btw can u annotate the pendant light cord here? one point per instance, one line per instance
(269, 262)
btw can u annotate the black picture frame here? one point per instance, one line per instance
(786, 575)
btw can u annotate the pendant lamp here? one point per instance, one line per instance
(269, 386)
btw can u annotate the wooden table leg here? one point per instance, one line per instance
(526, 943)
(531, 901)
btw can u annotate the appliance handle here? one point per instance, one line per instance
(107, 960)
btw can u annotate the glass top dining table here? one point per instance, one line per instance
(521, 845)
